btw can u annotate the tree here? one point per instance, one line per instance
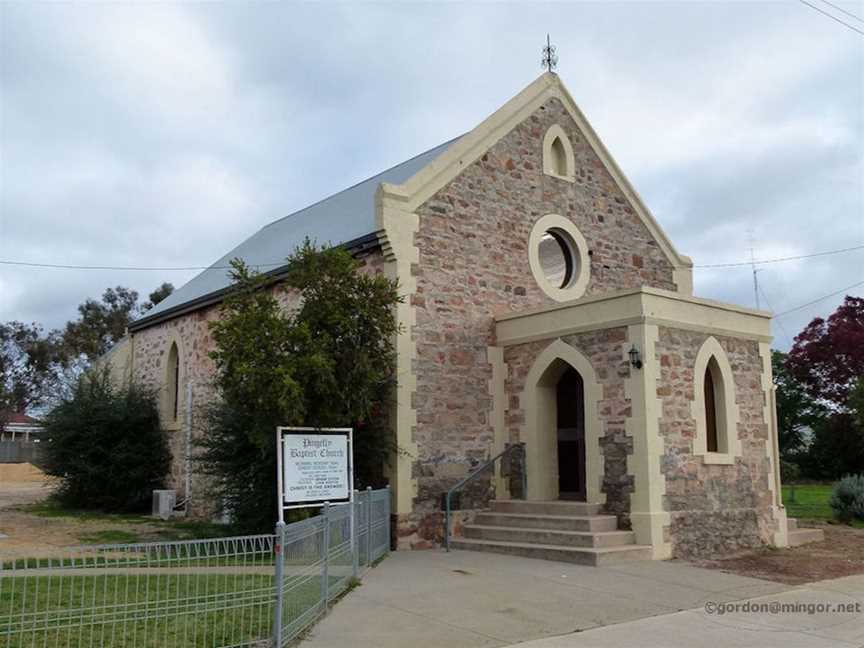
(105, 446)
(330, 363)
(157, 296)
(856, 403)
(101, 323)
(827, 357)
(797, 412)
(31, 366)
(837, 448)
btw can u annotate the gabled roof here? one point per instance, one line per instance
(471, 146)
(343, 218)
(349, 217)
(17, 418)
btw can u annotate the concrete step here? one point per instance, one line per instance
(798, 537)
(548, 507)
(579, 555)
(549, 536)
(791, 524)
(593, 523)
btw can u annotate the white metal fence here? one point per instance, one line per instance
(245, 591)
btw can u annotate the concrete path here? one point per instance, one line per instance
(465, 599)
(800, 625)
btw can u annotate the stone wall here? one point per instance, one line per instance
(606, 351)
(715, 509)
(473, 265)
(191, 332)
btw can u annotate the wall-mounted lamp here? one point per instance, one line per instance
(635, 360)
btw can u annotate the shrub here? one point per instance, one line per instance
(329, 364)
(105, 446)
(847, 498)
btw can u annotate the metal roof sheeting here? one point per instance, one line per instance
(345, 216)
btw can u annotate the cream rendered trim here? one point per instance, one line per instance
(772, 448)
(728, 424)
(539, 431)
(471, 146)
(497, 391)
(683, 277)
(168, 422)
(570, 160)
(583, 271)
(647, 516)
(118, 362)
(397, 228)
(633, 306)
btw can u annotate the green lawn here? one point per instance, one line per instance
(810, 502)
(164, 611)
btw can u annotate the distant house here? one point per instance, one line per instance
(19, 427)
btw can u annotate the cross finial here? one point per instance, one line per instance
(550, 58)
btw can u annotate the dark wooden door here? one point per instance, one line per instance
(571, 436)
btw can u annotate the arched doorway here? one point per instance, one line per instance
(562, 454)
(570, 404)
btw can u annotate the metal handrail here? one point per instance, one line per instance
(510, 448)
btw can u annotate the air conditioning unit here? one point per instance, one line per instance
(163, 503)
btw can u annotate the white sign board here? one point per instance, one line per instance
(315, 467)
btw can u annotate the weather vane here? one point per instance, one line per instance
(550, 58)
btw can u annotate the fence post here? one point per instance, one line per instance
(325, 576)
(278, 577)
(368, 526)
(387, 514)
(355, 540)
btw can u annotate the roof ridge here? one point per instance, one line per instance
(357, 184)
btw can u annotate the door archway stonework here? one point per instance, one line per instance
(540, 429)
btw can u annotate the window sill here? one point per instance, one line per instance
(717, 458)
(568, 178)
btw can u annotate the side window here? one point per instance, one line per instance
(172, 385)
(714, 409)
(558, 158)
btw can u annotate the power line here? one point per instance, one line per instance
(779, 322)
(819, 299)
(62, 266)
(65, 266)
(848, 13)
(780, 259)
(832, 17)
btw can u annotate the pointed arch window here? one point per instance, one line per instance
(712, 431)
(558, 159)
(172, 384)
(714, 408)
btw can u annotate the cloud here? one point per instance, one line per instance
(142, 134)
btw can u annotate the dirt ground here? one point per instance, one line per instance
(840, 554)
(29, 534)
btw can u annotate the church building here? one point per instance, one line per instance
(544, 306)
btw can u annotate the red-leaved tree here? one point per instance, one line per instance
(828, 355)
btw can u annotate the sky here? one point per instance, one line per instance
(162, 135)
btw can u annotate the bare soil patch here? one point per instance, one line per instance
(34, 530)
(840, 554)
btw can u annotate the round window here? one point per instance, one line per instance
(558, 256)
